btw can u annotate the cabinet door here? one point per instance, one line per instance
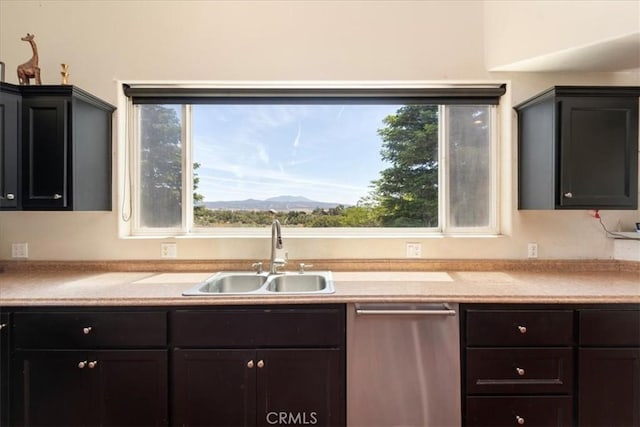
(609, 387)
(131, 387)
(9, 157)
(55, 389)
(214, 387)
(4, 369)
(301, 387)
(599, 152)
(45, 164)
(80, 388)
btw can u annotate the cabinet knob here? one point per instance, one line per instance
(86, 330)
(568, 195)
(10, 196)
(250, 364)
(260, 363)
(57, 196)
(520, 420)
(522, 329)
(93, 364)
(520, 371)
(2, 326)
(82, 364)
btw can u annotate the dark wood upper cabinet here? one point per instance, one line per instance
(66, 149)
(578, 149)
(10, 111)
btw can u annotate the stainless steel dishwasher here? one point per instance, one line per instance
(403, 365)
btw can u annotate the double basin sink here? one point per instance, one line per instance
(248, 283)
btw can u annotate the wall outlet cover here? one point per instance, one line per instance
(532, 250)
(19, 250)
(414, 250)
(168, 250)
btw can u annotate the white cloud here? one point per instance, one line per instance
(296, 141)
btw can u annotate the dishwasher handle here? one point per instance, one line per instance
(399, 309)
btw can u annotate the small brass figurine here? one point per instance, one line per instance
(30, 68)
(65, 74)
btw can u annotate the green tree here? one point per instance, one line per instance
(161, 167)
(407, 191)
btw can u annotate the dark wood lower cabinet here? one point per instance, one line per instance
(609, 367)
(609, 387)
(258, 387)
(214, 388)
(519, 410)
(90, 388)
(551, 365)
(193, 366)
(300, 387)
(4, 369)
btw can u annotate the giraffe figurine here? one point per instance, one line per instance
(30, 68)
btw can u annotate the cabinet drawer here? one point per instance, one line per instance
(551, 411)
(89, 330)
(519, 327)
(610, 328)
(519, 370)
(257, 327)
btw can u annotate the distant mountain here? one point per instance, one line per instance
(289, 199)
(279, 203)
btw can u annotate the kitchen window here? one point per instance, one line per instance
(227, 160)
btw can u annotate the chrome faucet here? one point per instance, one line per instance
(276, 243)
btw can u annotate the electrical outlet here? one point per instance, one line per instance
(19, 250)
(168, 250)
(532, 250)
(414, 250)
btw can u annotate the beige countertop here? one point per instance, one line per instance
(139, 288)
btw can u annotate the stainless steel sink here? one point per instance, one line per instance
(232, 283)
(297, 283)
(247, 283)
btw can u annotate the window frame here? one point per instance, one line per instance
(299, 91)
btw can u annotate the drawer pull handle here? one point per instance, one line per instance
(250, 364)
(86, 330)
(522, 329)
(2, 326)
(520, 420)
(93, 364)
(82, 364)
(568, 195)
(57, 196)
(260, 363)
(520, 371)
(10, 196)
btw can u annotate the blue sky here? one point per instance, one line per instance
(327, 153)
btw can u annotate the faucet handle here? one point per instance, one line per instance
(303, 266)
(278, 263)
(257, 266)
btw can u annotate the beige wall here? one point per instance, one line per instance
(109, 41)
